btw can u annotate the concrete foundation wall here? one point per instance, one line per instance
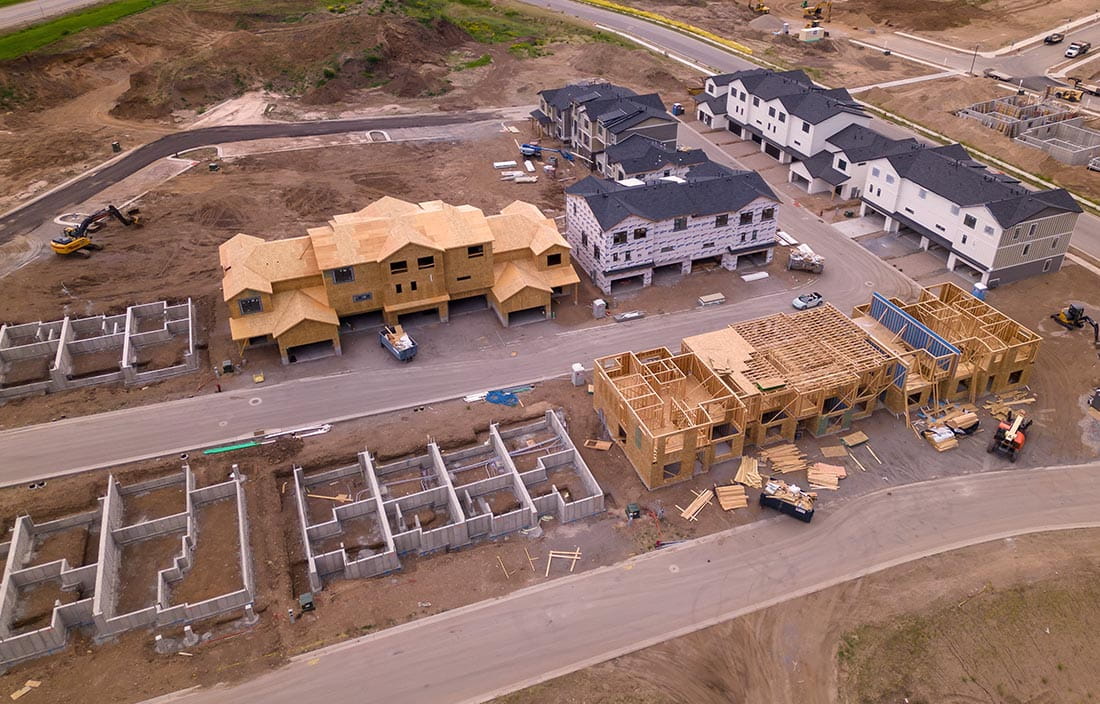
(100, 581)
(469, 514)
(57, 342)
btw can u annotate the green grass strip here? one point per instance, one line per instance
(36, 36)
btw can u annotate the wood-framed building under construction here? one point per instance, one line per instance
(953, 346)
(757, 382)
(752, 383)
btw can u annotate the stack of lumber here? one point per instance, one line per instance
(834, 451)
(941, 437)
(749, 473)
(962, 421)
(1001, 404)
(825, 476)
(731, 497)
(786, 458)
(701, 499)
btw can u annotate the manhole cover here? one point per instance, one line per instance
(255, 401)
(223, 423)
(673, 569)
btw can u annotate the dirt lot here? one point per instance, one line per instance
(153, 73)
(1009, 621)
(832, 61)
(933, 105)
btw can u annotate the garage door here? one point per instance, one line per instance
(771, 150)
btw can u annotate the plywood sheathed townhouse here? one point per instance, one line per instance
(395, 258)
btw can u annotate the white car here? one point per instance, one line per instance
(808, 300)
(1077, 49)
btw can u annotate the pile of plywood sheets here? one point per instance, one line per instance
(786, 458)
(825, 476)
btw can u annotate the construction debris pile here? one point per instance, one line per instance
(1002, 404)
(802, 258)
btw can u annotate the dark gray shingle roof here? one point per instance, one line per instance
(639, 154)
(717, 104)
(820, 166)
(950, 172)
(563, 97)
(724, 191)
(861, 143)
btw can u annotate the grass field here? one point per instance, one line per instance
(37, 36)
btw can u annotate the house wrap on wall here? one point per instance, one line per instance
(785, 113)
(625, 230)
(589, 117)
(392, 257)
(987, 221)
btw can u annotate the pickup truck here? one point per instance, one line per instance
(1077, 49)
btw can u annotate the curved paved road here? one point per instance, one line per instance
(38, 211)
(487, 649)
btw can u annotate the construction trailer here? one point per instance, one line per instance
(953, 347)
(753, 383)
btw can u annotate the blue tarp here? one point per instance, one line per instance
(915, 333)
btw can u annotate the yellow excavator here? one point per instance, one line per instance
(759, 8)
(820, 11)
(77, 240)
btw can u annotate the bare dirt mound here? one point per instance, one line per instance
(320, 61)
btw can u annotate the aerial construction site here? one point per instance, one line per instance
(427, 351)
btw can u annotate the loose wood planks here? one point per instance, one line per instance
(701, 499)
(601, 445)
(834, 451)
(748, 473)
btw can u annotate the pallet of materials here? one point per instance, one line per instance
(941, 437)
(731, 497)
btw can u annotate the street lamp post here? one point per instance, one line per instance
(974, 60)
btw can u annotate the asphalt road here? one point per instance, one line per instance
(36, 212)
(33, 11)
(475, 653)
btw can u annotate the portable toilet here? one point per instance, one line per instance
(978, 291)
(599, 308)
(677, 109)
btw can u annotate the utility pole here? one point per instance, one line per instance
(974, 60)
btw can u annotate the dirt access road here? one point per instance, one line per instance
(491, 648)
(33, 214)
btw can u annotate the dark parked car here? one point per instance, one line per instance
(1055, 38)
